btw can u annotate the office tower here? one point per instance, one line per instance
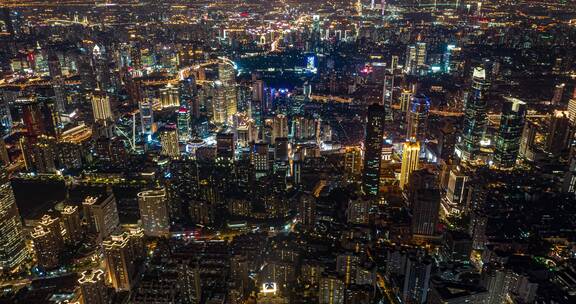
(446, 141)
(457, 188)
(417, 279)
(224, 101)
(72, 224)
(558, 94)
(307, 210)
(572, 110)
(12, 243)
(510, 133)
(410, 63)
(183, 121)
(5, 115)
(497, 280)
(42, 155)
(405, 98)
(559, 133)
(101, 108)
(279, 127)
(418, 118)
(527, 140)
(421, 54)
(353, 161)
(32, 116)
(410, 157)
(475, 117)
(424, 202)
(146, 117)
(101, 62)
(259, 157)
(258, 88)
(331, 290)
(281, 149)
(219, 110)
(346, 266)
(122, 250)
(154, 213)
(394, 63)
(169, 140)
(373, 149)
(101, 214)
(358, 211)
(93, 287)
(70, 155)
(169, 96)
(225, 145)
(48, 242)
(189, 94)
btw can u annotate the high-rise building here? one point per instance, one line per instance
(417, 117)
(279, 127)
(12, 243)
(572, 110)
(353, 161)
(527, 140)
(259, 157)
(358, 211)
(101, 108)
(122, 250)
(183, 121)
(32, 116)
(405, 98)
(373, 149)
(281, 149)
(72, 223)
(169, 96)
(101, 214)
(225, 146)
(331, 290)
(559, 133)
(424, 202)
(154, 212)
(146, 117)
(510, 133)
(475, 117)
(417, 279)
(410, 158)
(558, 94)
(307, 210)
(496, 279)
(169, 141)
(93, 287)
(48, 242)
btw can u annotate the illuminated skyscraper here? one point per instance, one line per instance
(331, 290)
(418, 118)
(93, 287)
(559, 134)
(475, 117)
(48, 242)
(410, 158)
(510, 133)
(353, 161)
(373, 149)
(101, 108)
(279, 127)
(405, 98)
(169, 140)
(417, 279)
(12, 247)
(169, 96)
(72, 223)
(146, 116)
(307, 210)
(154, 215)
(558, 94)
(101, 214)
(183, 121)
(225, 145)
(122, 250)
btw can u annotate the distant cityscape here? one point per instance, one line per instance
(288, 151)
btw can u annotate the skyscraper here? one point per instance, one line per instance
(146, 116)
(122, 250)
(183, 124)
(225, 145)
(559, 133)
(101, 214)
(72, 223)
(373, 149)
(93, 288)
(424, 202)
(169, 140)
(12, 247)
(307, 210)
(474, 117)
(510, 132)
(101, 108)
(417, 279)
(410, 158)
(154, 213)
(169, 96)
(418, 118)
(48, 242)
(279, 127)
